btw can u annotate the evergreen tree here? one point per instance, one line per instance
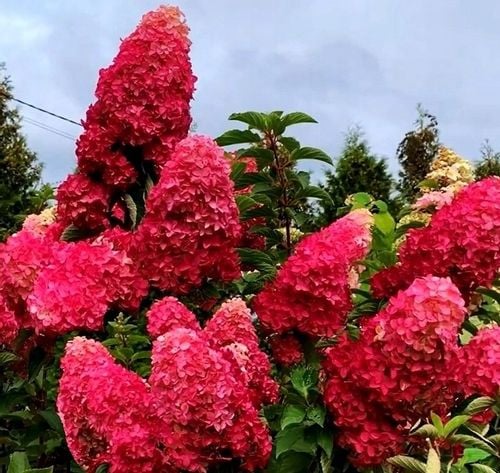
(20, 172)
(357, 170)
(489, 165)
(416, 152)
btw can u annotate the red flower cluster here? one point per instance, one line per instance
(141, 112)
(400, 369)
(106, 411)
(200, 403)
(83, 203)
(479, 370)
(311, 291)
(462, 241)
(80, 284)
(8, 324)
(191, 227)
(231, 327)
(287, 349)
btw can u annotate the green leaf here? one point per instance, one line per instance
(233, 137)
(237, 170)
(361, 199)
(384, 222)
(52, 420)
(315, 192)
(264, 157)
(426, 431)
(49, 469)
(258, 259)
(409, 464)
(433, 462)
(35, 363)
(478, 405)
(291, 462)
(478, 468)
(316, 414)
(495, 295)
(472, 455)
(325, 441)
(291, 144)
(292, 414)
(253, 119)
(244, 203)
(294, 118)
(473, 442)
(7, 357)
(73, 233)
(453, 424)
(102, 468)
(438, 423)
(295, 439)
(303, 379)
(311, 153)
(429, 184)
(18, 462)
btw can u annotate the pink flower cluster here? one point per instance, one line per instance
(399, 370)
(80, 284)
(53, 287)
(462, 241)
(479, 370)
(141, 112)
(286, 349)
(191, 227)
(311, 292)
(199, 407)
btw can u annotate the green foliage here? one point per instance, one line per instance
(356, 170)
(489, 164)
(416, 152)
(21, 192)
(275, 198)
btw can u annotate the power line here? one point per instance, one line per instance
(32, 121)
(60, 117)
(49, 129)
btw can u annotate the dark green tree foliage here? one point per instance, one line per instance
(19, 170)
(489, 164)
(416, 152)
(357, 170)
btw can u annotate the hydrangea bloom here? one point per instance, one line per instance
(168, 314)
(142, 106)
(80, 285)
(202, 397)
(462, 241)
(232, 324)
(106, 411)
(195, 408)
(397, 371)
(479, 371)
(39, 223)
(83, 203)
(286, 349)
(311, 291)
(191, 229)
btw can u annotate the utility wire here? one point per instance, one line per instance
(49, 129)
(10, 97)
(32, 121)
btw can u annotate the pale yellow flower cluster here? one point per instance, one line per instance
(450, 171)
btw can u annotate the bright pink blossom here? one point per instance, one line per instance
(479, 370)
(83, 203)
(168, 314)
(8, 324)
(81, 283)
(311, 291)
(231, 326)
(142, 107)
(191, 229)
(399, 370)
(462, 241)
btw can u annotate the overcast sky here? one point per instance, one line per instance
(366, 62)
